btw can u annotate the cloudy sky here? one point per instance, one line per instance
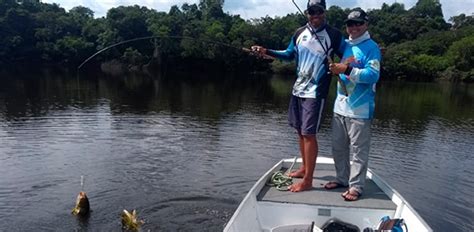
(259, 8)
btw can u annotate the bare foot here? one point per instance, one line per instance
(351, 195)
(301, 186)
(297, 174)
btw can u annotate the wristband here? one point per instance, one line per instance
(348, 70)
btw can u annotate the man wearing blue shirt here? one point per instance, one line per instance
(310, 46)
(359, 72)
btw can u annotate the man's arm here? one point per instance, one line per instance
(288, 54)
(370, 73)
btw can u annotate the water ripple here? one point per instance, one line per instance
(185, 164)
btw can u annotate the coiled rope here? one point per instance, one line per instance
(280, 180)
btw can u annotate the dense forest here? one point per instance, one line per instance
(418, 43)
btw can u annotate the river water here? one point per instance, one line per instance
(184, 151)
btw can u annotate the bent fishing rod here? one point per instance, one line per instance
(250, 51)
(326, 51)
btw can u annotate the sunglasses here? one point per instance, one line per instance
(315, 11)
(354, 23)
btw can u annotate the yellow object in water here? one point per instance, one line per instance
(130, 220)
(82, 205)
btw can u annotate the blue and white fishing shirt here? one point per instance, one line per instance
(311, 55)
(363, 55)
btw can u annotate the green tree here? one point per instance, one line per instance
(461, 53)
(336, 16)
(419, 42)
(461, 21)
(129, 22)
(191, 12)
(132, 56)
(428, 8)
(212, 9)
(73, 48)
(19, 39)
(5, 5)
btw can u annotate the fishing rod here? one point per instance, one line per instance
(251, 52)
(297, 7)
(326, 51)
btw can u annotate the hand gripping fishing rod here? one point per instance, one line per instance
(326, 51)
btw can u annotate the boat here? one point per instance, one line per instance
(265, 208)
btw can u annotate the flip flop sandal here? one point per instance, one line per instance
(333, 185)
(354, 195)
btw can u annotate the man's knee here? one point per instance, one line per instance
(309, 137)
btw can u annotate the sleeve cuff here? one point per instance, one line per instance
(348, 70)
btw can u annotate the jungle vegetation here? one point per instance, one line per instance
(418, 43)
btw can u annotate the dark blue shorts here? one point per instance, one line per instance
(305, 114)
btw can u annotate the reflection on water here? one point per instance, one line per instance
(183, 151)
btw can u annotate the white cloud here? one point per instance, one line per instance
(259, 8)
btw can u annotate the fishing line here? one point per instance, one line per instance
(167, 37)
(82, 183)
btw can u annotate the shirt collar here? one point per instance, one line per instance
(318, 29)
(360, 39)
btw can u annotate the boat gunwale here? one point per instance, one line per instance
(400, 202)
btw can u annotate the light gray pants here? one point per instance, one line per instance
(351, 136)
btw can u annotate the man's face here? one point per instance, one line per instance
(316, 16)
(355, 29)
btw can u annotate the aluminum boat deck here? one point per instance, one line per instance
(372, 198)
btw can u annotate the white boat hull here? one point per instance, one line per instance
(254, 214)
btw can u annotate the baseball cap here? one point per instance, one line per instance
(317, 3)
(358, 15)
